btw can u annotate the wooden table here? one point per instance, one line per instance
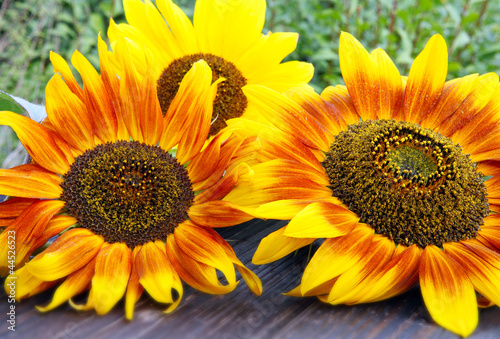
(240, 314)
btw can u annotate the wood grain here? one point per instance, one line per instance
(240, 314)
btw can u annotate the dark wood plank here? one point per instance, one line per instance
(240, 314)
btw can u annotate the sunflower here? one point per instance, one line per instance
(131, 192)
(399, 174)
(228, 36)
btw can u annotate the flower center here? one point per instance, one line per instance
(230, 102)
(128, 192)
(410, 184)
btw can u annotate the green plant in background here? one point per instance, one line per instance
(30, 29)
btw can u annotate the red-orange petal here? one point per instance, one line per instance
(45, 147)
(219, 214)
(360, 76)
(30, 181)
(96, 99)
(198, 275)
(426, 79)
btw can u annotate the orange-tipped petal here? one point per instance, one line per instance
(68, 115)
(220, 189)
(394, 278)
(250, 278)
(286, 115)
(482, 266)
(391, 85)
(448, 292)
(208, 166)
(96, 99)
(62, 67)
(138, 102)
(339, 97)
(201, 245)
(27, 228)
(348, 289)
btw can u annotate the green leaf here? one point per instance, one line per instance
(9, 104)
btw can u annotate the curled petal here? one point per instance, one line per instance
(276, 245)
(201, 245)
(200, 276)
(134, 287)
(157, 275)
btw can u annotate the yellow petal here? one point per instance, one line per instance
(482, 266)
(448, 292)
(335, 256)
(322, 220)
(228, 28)
(76, 283)
(68, 253)
(112, 273)
(180, 25)
(187, 120)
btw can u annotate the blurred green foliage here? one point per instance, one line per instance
(29, 29)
